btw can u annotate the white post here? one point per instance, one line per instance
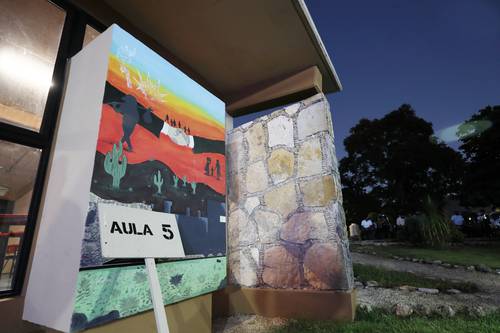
(156, 297)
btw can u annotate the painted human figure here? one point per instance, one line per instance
(129, 109)
(212, 171)
(207, 166)
(217, 169)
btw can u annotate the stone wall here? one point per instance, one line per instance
(286, 224)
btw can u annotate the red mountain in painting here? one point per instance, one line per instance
(181, 160)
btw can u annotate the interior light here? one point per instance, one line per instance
(3, 190)
(25, 69)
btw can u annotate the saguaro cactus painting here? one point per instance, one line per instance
(115, 164)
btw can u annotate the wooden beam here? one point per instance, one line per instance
(283, 91)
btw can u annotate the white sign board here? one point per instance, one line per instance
(136, 233)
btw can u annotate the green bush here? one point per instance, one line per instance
(413, 230)
(436, 230)
(430, 228)
(456, 236)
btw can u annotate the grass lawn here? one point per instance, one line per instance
(389, 279)
(379, 321)
(463, 255)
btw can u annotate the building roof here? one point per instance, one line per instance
(234, 45)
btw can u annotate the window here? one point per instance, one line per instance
(37, 37)
(18, 167)
(31, 31)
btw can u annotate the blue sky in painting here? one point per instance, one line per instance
(147, 61)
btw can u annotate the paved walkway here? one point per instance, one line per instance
(487, 282)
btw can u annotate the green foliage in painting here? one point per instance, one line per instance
(115, 164)
(193, 187)
(124, 291)
(176, 180)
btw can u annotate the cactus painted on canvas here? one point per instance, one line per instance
(158, 181)
(184, 181)
(115, 164)
(193, 186)
(176, 180)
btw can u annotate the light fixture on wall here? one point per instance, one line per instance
(3, 190)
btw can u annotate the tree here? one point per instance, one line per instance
(480, 137)
(394, 163)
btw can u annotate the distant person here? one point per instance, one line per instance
(458, 220)
(495, 221)
(368, 228)
(483, 222)
(400, 221)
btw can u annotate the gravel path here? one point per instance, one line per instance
(387, 298)
(246, 324)
(487, 282)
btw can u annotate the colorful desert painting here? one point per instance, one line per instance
(161, 147)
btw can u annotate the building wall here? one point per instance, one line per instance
(286, 224)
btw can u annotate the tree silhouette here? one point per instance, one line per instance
(481, 148)
(393, 164)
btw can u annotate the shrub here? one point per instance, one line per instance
(456, 236)
(414, 229)
(435, 228)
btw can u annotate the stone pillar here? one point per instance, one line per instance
(286, 224)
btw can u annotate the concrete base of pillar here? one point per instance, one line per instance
(286, 303)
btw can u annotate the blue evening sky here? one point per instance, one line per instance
(440, 56)
(147, 61)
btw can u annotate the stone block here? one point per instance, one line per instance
(268, 226)
(324, 267)
(241, 230)
(282, 199)
(310, 158)
(312, 100)
(235, 151)
(330, 160)
(254, 253)
(256, 180)
(256, 138)
(243, 269)
(281, 268)
(301, 227)
(292, 109)
(251, 203)
(319, 191)
(280, 165)
(312, 120)
(280, 131)
(235, 190)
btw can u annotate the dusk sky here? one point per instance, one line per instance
(440, 56)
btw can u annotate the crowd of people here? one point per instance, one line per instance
(378, 226)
